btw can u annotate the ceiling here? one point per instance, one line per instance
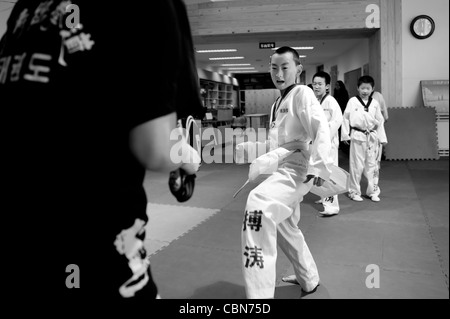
(324, 51)
(328, 44)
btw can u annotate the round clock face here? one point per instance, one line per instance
(422, 27)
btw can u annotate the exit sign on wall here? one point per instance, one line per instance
(267, 45)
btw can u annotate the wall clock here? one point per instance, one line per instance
(422, 27)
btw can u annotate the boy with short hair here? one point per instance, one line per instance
(333, 113)
(364, 126)
(270, 214)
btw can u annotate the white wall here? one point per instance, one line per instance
(424, 59)
(352, 59)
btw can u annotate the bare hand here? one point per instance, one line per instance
(317, 180)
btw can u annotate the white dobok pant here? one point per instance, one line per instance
(270, 217)
(364, 159)
(331, 204)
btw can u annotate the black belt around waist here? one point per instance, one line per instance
(359, 130)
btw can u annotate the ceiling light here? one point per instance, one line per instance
(236, 64)
(298, 48)
(245, 71)
(249, 68)
(216, 51)
(228, 58)
(302, 56)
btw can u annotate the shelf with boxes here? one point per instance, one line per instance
(218, 94)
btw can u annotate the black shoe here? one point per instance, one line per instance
(305, 293)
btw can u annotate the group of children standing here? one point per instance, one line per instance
(307, 122)
(362, 127)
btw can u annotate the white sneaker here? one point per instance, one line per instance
(375, 198)
(320, 201)
(328, 213)
(355, 197)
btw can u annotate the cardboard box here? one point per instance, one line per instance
(224, 114)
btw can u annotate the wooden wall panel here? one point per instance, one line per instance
(285, 36)
(391, 63)
(375, 59)
(260, 16)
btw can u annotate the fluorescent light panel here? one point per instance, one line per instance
(297, 48)
(228, 58)
(236, 64)
(216, 51)
(249, 68)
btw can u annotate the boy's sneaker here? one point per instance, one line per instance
(355, 197)
(292, 279)
(305, 293)
(320, 201)
(375, 198)
(327, 213)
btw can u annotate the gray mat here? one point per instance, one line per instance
(412, 134)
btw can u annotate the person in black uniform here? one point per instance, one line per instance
(85, 112)
(342, 97)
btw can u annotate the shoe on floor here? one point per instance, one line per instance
(320, 201)
(375, 198)
(326, 213)
(304, 293)
(290, 279)
(355, 197)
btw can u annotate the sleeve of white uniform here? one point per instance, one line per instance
(345, 129)
(336, 117)
(247, 152)
(381, 133)
(313, 119)
(383, 106)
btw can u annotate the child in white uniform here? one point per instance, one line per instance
(297, 119)
(321, 85)
(384, 111)
(364, 126)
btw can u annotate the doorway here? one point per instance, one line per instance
(351, 81)
(334, 78)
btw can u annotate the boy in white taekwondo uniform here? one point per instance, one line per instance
(384, 111)
(297, 119)
(364, 126)
(321, 85)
